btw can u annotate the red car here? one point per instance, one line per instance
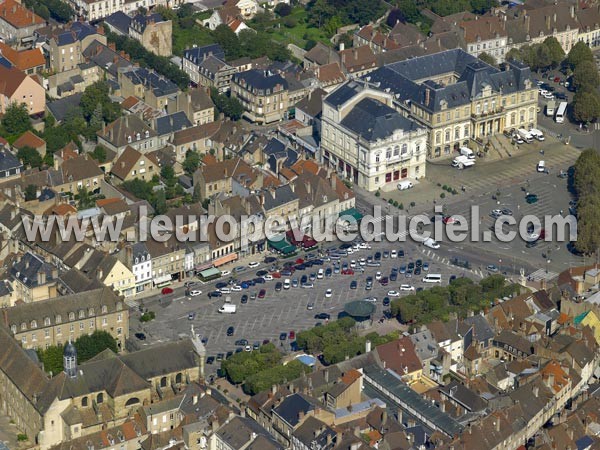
(448, 219)
(347, 272)
(262, 293)
(299, 261)
(557, 79)
(166, 291)
(292, 334)
(275, 274)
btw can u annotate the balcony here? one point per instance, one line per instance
(491, 113)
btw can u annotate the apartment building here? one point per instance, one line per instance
(17, 87)
(128, 130)
(365, 140)
(65, 45)
(263, 94)
(57, 320)
(17, 23)
(485, 34)
(460, 99)
(151, 30)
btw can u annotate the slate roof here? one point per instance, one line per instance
(279, 196)
(76, 32)
(259, 81)
(312, 104)
(118, 131)
(291, 407)
(119, 21)
(9, 161)
(515, 341)
(140, 22)
(321, 54)
(160, 85)
(402, 78)
(27, 268)
(171, 123)
(464, 396)
(374, 120)
(80, 168)
(425, 345)
(197, 54)
(482, 331)
(162, 359)
(104, 57)
(75, 281)
(314, 431)
(240, 430)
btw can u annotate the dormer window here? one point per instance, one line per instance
(137, 260)
(104, 309)
(129, 139)
(33, 324)
(23, 326)
(58, 319)
(13, 328)
(46, 321)
(147, 134)
(81, 313)
(91, 312)
(138, 136)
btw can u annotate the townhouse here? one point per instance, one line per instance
(133, 165)
(17, 23)
(263, 94)
(64, 45)
(145, 84)
(18, 87)
(128, 131)
(29, 61)
(150, 30)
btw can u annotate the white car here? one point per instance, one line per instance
(225, 290)
(362, 261)
(253, 264)
(225, 273)
(247, 348)
(195, 293)
(548, 95)
(328, 293)
(365, 245)
(350, 250)
(370, 299)
(268, 277)
(406, 287)
(393, 254)
(353, 264)
(236, 288)
(378, 276)
(542, 91)
(393, 294)
(533, 236)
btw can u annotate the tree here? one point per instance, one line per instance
(585, 76)
(96, 120)
(283, 9)
(16, 119)
(29, 157)
(84, 198)
(487, 58)
(480, 6)
(168, 174)
(52, 358)
(99, 154)
(579, 52)
(587, 185)
(160, 202)
(557, 54)
(230, 42)
(514, 54)
(409, 9)
(30, 192)
(586, 105)
(447, 7)
(89, 345)
(320, 11)
(192, 161)
(395, 16)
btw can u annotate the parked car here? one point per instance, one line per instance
(328, 293)
(262, 293)
(230, 331)
(406, 287)
(166, 291)
(393, 294)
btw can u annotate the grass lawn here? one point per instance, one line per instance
(299, 34)
(186, 38)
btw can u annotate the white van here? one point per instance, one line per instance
(228, 309)
(466, 151)
(432, 278)
(537, 134)
(403, 185)
(525, 135)
(541, 166)
(431, 243)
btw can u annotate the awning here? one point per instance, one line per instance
(209, 273)
(225, 259)
(162, 279)
(352, 212)
(201, 267)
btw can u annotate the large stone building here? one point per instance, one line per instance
(263, 95)
(107, 389)
(57, 320)
(17, 22)
(151, 30)
(65, 46)
(365, 140)
(460, 99)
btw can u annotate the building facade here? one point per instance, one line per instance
(365, 140)
(263, 95)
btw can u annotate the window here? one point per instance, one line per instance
(466, 131)
(104, 322)
(457, 133)
(58, 331)
(119, 331)
(104, 309)
(388, 154)
(13, 328)
(81, 325)
(91, 312)
(438, 137)
(404, 149)
(33, 324)
(47, 334)
(119, 317)
(478, 109)
(46, 321)
(71, 316)
(81, 313)
(396, 150)
(91, 324)
(447, 135)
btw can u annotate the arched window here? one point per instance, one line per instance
(71, 316)
(91, 312)
(137, 260)
(178, 378)
(84, 402)
(163, 382)
(104, 309)
(33, 324)
(100, 398)
(58, 318)
(447, 135)
(13, 328)
(23, 326)
(132, 401)
(466, 131)
(81, 313)
(438, 137)
(404, 149)
(46, 321)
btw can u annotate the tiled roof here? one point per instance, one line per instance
(24, 59)
(357, 59)
(192, 134)
(399, 356)
(118, 132)
(80, 168)
(10, 79)
(330, 74)
(29, 139)
(484, 28)
(17, 15)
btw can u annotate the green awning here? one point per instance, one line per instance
(352, 212)
(210, 272)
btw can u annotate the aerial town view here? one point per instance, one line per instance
(299, 224)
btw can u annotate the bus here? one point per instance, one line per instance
(560, 113)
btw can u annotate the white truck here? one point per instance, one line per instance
(431, 243)
(228, 308)
(462, 162)
(525, 135)
(550, 108)
(537, 134)
(466, 151)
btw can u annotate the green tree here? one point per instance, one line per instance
(447, 7)
(160, 202)
(168, 175)
(320, 11)
(29, 157)
(409, 9)
(89, 345)
(192, 161)
(487, 58)
(99, 154)
(579, 52)
(480, 6)
(587, 185)
(230, 42)
(557, 54)
(30, 192)
(514, 53)
(283, 9)
(84, 198)
(52, 358)
(586, 105)
(16, 119)
(586, 77)
(96, 120)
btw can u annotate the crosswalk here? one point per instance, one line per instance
(442, 260)
(542, 274)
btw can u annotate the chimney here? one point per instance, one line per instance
(427, 96)
(554, 18)
(194, 399)
(333, 182)
(300, 416)
(100, 274)
(274, 389)
(326, 376)
(367, 346)
(572, 11)
(342, 46)
(497, 424)
(548, 22)
(536, 391)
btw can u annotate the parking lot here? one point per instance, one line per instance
(284, 311)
